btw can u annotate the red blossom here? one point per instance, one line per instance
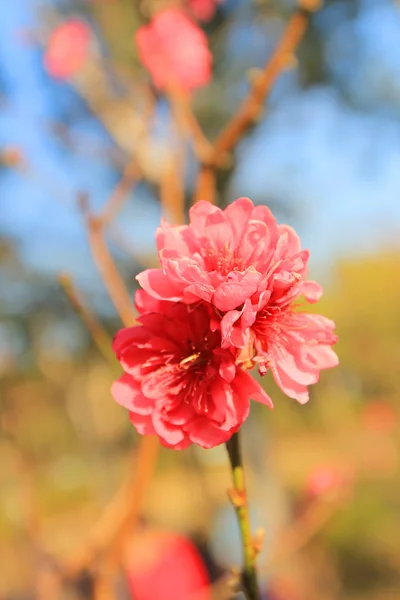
(252, 271)
(168, 566)
(67, 49)
(179, 383)
(175, 51)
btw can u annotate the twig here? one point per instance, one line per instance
(292, 539)
(97, 332)
(172, 192)
(189, 126)
(238, 496)
(26, 478)
(110, 274)
(48, 583)
(103, 588)
(299, 533)
(205, 184)
(253, 103)
(120, 194)
(120, 516)
(107, 268)
(172, 183)
(222, 589)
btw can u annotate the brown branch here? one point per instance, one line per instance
(25, 475)
(120, 516)
(205, 184)
(172, 192)
(110, 274)
(106, 267)
(48, 583)
(299, 533)
(188, 125)
(252, 105)
(129, 178)
(100, 337)
(103, 588)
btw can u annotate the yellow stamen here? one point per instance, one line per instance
(190, 359)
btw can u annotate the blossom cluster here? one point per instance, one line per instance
(174, 49)
(224, 301)
(172, 46)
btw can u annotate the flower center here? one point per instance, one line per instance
(222, 260)
(196, 373)
(270, 328)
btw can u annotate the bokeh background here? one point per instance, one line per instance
(325, 156)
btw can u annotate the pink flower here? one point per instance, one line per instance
(326, 479)
(251, 271)
(379, 416)
(67, 49)
(168, 566)
(175, 51)
(179, 383)
(203, 10)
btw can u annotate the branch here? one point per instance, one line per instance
(299, 533)
(130, 176)
(120, 516)
(100, 337)
(107, 268)
(172, 192)
(252, 105)
(189, 126)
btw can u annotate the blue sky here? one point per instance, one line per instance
(336, 163)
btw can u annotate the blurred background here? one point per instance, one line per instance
(86, 511)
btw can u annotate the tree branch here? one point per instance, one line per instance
(100, 337)
(252, 105)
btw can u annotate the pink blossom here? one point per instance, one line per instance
(67, 49)
(179, 383)
(251, 270)
(326, 479)
(203, 10)
(379, 416)
(163, 565)
(175, 51)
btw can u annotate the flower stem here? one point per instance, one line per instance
(239, 500)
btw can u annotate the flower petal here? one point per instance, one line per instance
(247, 386)
(199, 214)
(126, 391)
(237, 288)
(311, 290)
(142, 423)
(291, 388)
(169, 433)
(203, 432)
(238, 214)
(158, 285)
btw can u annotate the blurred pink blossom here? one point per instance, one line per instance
(67, 49)
(203, 10)
(169, 567)
(324, 479)
(175, 51)
(379, 416)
